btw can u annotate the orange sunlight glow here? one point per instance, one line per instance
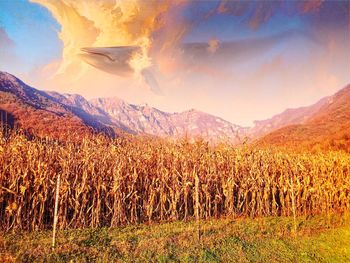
(105, 24)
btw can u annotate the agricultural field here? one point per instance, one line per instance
(152, 200)
(109, 183)
(174, 131)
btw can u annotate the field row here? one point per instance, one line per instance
(116, 182)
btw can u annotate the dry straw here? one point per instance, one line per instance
(108, 182)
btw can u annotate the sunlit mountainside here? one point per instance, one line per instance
(328, 127)
(42, 112)
(325, 123)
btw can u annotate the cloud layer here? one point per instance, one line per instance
(294, 52)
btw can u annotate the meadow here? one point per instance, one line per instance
(264, 239)
(116, 182)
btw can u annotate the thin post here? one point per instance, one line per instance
(293, 205)
(197, 204)
(55, 218)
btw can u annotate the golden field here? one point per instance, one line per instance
(112, 182)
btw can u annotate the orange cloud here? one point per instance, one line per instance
(236, 8)
(310, 6)
(263, 12)
(108, 23)
(213, 45)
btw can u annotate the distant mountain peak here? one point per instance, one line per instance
(53, 113)
(114, 113)
(149, 120)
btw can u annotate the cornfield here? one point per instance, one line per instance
(112, 182)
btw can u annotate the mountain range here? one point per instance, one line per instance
(47, 113)
(53, 114)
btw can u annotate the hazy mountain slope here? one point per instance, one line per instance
(325, 123)
(329, 127)
(287, 117)
(134, 118)
(197, 123)
(192, 123)
(92, 115)
(52, 113)
(38, 112)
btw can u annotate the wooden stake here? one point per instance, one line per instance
(293, 205)
(197, 204)
(55, 218)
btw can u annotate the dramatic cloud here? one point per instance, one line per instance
(155, 26)
(110, 23)
(223, 57)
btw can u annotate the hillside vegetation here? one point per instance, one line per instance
(327, 129)
(107, 182)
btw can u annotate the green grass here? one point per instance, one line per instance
(318, 239)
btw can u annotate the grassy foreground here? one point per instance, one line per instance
(318, 239)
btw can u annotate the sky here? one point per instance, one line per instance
(257, 58)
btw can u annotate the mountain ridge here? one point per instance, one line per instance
(327, 128)
(110, 114)
(35, 111)
(325, 122)
(289, 116)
